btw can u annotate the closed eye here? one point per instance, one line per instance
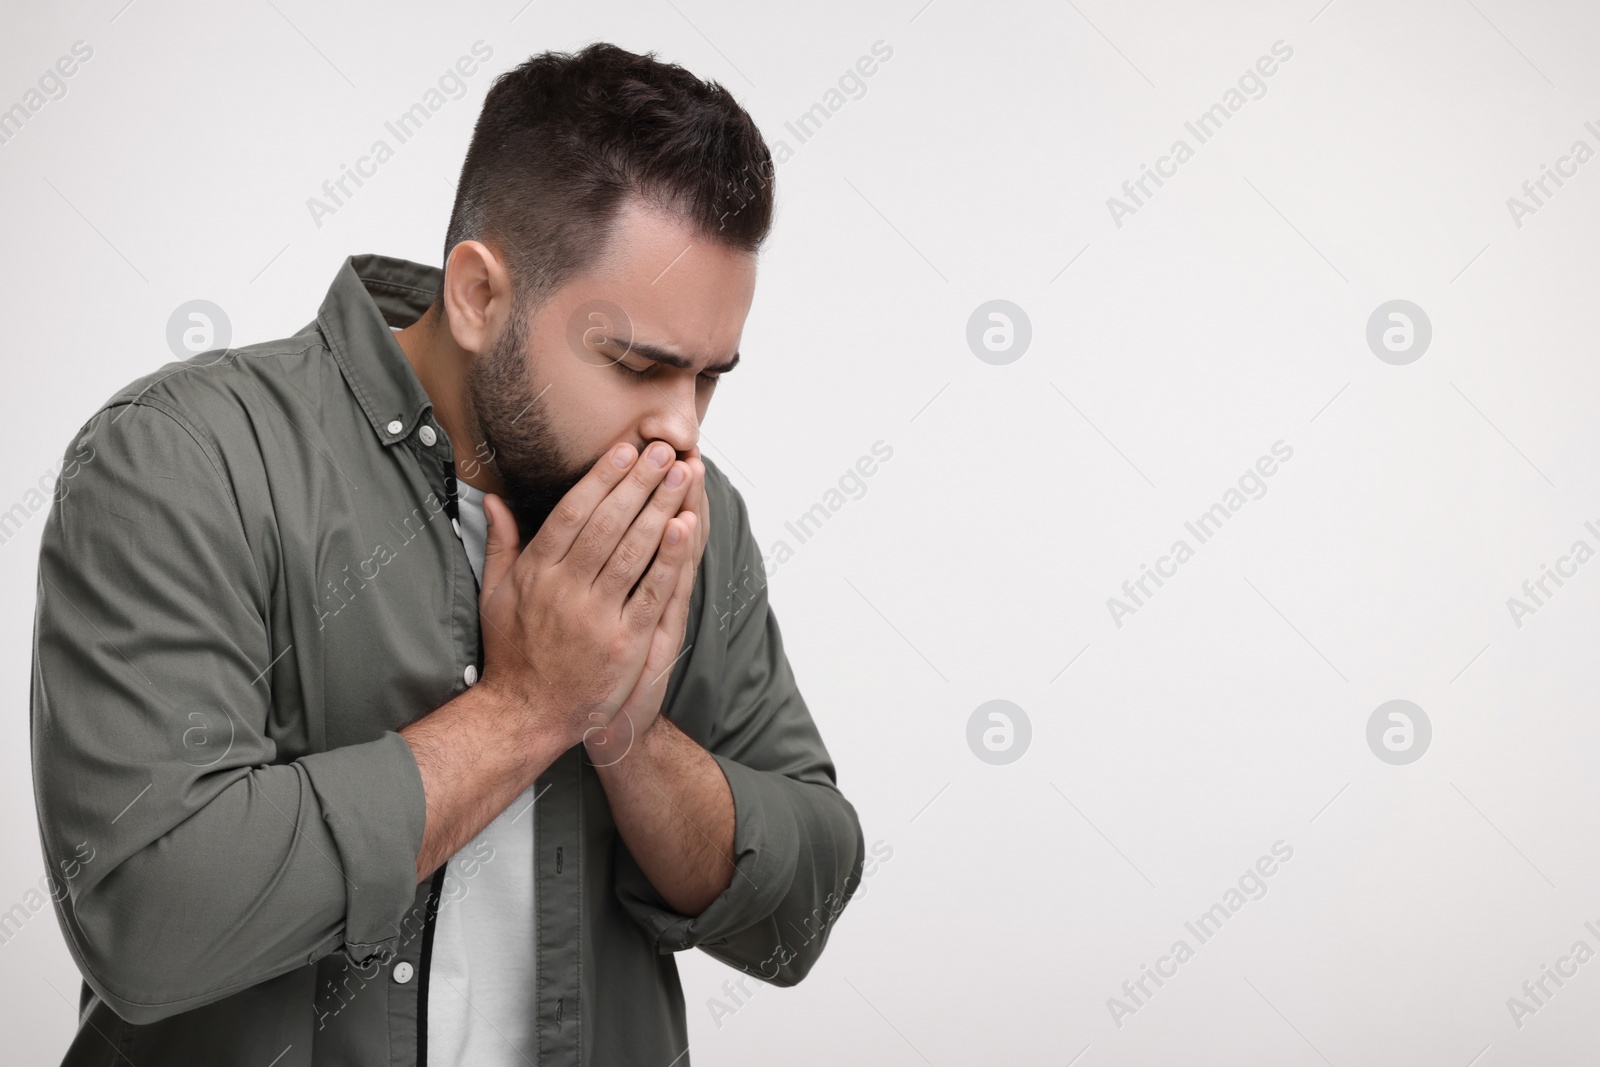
(648, 371)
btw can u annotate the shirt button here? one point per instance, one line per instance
(455, 524)
(402, 972)
(427, 435)
(470, 675)
(396, 426)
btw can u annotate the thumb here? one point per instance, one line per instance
(500, 549)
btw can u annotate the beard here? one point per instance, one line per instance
(514, 423)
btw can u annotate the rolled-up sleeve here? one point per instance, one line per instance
(797, 841)
(212, 865)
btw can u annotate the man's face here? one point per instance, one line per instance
(551, 399)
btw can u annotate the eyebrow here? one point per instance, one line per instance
(672, 359)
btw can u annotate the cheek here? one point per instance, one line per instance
(603, 400)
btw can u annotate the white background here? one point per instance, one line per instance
(1229, 312)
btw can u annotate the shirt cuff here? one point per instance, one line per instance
(766, 848)
(372, 800)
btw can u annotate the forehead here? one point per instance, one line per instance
(678, 286)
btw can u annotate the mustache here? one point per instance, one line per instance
(531, 502)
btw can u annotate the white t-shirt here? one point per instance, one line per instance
(481, 977)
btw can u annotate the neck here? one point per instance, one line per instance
(441, 366)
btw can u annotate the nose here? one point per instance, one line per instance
(673, 418)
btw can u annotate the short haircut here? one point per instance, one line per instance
(565, 138)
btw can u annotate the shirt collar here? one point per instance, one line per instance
(370, 294)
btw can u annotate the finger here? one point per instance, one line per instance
(694, 499)
(644, 607)
(705, 506)
(676, 614)
(566, 521)
(699, 502)
(500, 549)
(633, 553)
(613, 515)
(682, 591)
(666, 644)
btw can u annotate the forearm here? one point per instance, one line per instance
(801, 853)
(674, 811)
(260, 862)
(476, 755)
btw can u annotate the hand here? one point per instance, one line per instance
(697, 502)
(563, 635)
(642, 706)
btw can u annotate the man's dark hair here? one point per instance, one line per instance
(565, 138)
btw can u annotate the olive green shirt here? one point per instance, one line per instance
(247, 584)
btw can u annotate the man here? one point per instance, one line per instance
(406, 691)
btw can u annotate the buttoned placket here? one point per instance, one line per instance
(559, 867)
(558, 832)
(432, 449)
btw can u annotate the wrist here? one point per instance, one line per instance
(621, 752)
(520, 719)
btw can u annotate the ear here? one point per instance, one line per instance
(477, 296)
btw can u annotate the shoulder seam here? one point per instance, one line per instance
(231, 355)
(212, 457)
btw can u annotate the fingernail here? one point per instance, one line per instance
(660, 454)
(673, 536)
(622, 456)
(675, 476)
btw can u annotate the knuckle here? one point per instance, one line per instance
(567, 514)
(558, 597)
(646, 474)
(603, 525)
(609, 581)
(642, 605)
(626, 558)
(666, 499)
(525, 579)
